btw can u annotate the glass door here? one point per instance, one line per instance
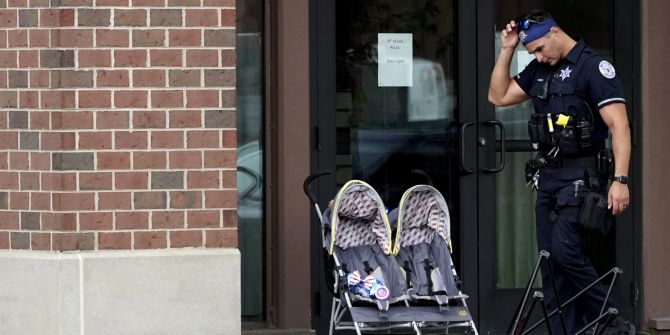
(389, 109)
(405, 132)
(395, 105)
(430, 121)
(508, 249)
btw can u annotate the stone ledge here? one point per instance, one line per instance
(278, 332)
(662, 323)
(171, 291)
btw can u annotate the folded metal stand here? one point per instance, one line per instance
(522, 314)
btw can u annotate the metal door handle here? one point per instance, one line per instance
(464, 126)
(502, 146)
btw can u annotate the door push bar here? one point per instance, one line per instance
(501, 165)
(482, 141)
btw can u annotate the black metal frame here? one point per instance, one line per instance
(322, 140)
(522, 315)
(627, 37)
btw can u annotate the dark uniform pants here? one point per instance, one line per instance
(560, 234)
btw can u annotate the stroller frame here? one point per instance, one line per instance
(518, 325)
(388, 319)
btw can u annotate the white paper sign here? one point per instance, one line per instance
(395, 59)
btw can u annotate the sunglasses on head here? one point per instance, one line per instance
(524, 24)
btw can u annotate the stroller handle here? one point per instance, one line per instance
(309, 180)
(423, 173)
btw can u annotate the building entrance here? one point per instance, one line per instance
(421, 115)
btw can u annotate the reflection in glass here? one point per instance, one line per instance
(397, 137)
(516, 246)
(250, 156)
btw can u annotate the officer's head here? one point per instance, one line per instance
(541, 36)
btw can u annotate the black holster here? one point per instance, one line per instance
(605, 162)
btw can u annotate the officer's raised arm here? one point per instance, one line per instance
(503, 90)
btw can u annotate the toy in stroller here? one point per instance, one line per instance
(371, 292)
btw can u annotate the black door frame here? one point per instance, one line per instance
(322, 144)
(626, 45)
(475, 31)
(626, 58)
(468, 34)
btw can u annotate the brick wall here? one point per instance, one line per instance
(117, 124)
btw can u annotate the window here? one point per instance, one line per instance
(250, 174)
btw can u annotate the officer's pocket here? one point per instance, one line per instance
(594, 214)
(571, 196)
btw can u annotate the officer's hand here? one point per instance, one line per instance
(508, 37)
(618, 198)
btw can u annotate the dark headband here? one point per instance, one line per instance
(536, 31)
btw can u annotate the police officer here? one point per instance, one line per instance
(567, 80)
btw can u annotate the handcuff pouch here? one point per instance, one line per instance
(605, 162)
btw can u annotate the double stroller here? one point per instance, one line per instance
(385, 281)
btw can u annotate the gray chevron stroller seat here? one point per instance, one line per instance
(357, 235)
(361, 239)
(423, 247)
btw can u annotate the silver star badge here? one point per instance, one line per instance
(565, 73)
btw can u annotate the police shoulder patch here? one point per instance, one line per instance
(606, 69)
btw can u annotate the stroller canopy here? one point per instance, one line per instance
(422, 215)
(359, 218)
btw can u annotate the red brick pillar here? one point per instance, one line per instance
(117, 124)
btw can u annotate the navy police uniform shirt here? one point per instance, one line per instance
(579, 85)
